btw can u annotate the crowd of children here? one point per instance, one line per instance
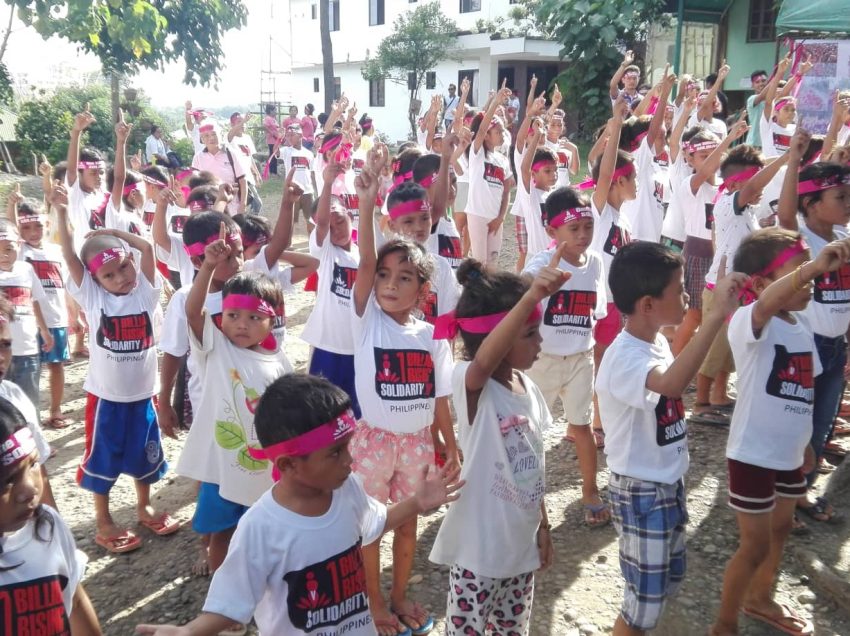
(684, 256)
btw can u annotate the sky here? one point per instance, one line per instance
(246, 53)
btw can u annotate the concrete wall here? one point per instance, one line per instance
(744, 57)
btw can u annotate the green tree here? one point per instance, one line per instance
(594, 34)
(420, 40)
(131, 34)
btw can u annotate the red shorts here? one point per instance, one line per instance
(608, 328)
(754, 489)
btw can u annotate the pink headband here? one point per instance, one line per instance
(130, 188)
(818, 185)
(23, 219)
(702, 145)
(184, 173)
(542, 164)
(330, 144)
(409, 207)
(197, 249)
(249, 302)
(206, 128)
(744, 175)
(569, 215)
(799, 246)
(428, 180)
(91, 165)
(623, 171)
(320, 437)
(198, 205)
(261, 240)
(631, 74)
(106, 256)
(638, 139)
(781, 102)
(17, 447)
(446, 326)
(153, 181)
(344, 153)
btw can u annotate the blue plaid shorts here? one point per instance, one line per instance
(650, 519)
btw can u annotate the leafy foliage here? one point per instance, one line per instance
(594, 34)
(131, 34)
(7, 94)
(420, 40)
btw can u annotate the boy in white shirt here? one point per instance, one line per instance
(295, 155)
(777, 362)
(640, 388)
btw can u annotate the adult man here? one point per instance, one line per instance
(629, 73)
(755, 107)
(449, 105)
(243, 149)
(157, 152)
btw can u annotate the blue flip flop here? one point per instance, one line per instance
(425, 628)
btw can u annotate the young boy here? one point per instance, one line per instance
(295, 155)
(565, 366)
(640, 388)
(122, 435)
(295, 562)
(777, 361)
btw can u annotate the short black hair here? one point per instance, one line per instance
(202, 178)
(412, 253)
(633, 127)
(404, 160)
(255, 284)
(31, 206)
(406, 191)
(206, 193)
(154, 128)
(295, 404)
(741, 157)
(562, 199)
(756, 74)
(639, 269)
(758, 250)
(157, 173)
(252, 226)
(199, 227)
(819, 170)
(429, 163)
(89, 154)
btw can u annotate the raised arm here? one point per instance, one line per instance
(216, 252)
(335, 114)
(773, 85)
(787, 211)
(679, 129)
(442, 185)
(528, 157)
(122, 131)
(281, 237)
(366, 185)
(706, 109)
(752, 189)
(614, 86)
(711, 164)
(431, 120)
(323, 210)
(148, 262)
(81, 121)
(15, 198)
(500, 97)
(59, 200)
(460, 109)
(657, 122)
(609, 157)
(533, 110)
(159, 227)
(189, 119)
(840, 109)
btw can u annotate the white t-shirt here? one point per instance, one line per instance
(49, 266)
(570, 314)
(769, 203)
(121, 219)
(318, 168)
(698, 209)
(487, 177)
(343, 188)
(565, 156)
(400, 370)
(646, 212)
(328, 327)
(532, 205)
(444, 292)
(775, 139)
(661, 175)
(505, 471)
(44, 569)
(301, 159)
(22, 288)
(828, 312)
(122, 344)
(86, 211)
(717, 126)
(15, 394)
(674, 220)
(463, 177)
(519, 156)
(772, 422)
(611, 231)
(234, 379)
(446, 242)
(178, 260)
(730, 228)
(243, 149)
(297, 574)
(646, 434)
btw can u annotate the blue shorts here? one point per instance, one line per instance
(121, 437)
(214, 513)
(650, 520)
(338, 368)
(59, 352)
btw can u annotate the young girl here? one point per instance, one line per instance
(403, 383)
(38, 556)
(490, 183)
(296, 561)
(501, 416)
(823, 201)
(237, 362)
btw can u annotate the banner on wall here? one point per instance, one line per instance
(831, 72)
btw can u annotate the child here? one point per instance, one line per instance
(778, 121)
(20, 284)
(305, 535)
(569, 159)
(490, 183)
(122, 374)
(538, 170)
(403, 385)
(38, 557)
(445, 238)
(49, 266)
(332, 244)
(501, 416)
(776, 359)
(821, 196)
(565, 366)
(640, 388)
(295, 155)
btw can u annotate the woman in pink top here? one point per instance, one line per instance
(272, 135)
(308, 126)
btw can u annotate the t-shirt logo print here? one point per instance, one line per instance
(670, 420)
(832, 288)
(125, 334)
(48, 273)
(35, 607)
(792, 376)
(404, 374)
(449, 248)
(709, 216)
(20, 297)
(617, 239)
(570, 307)
(494, 174)
(342, 281)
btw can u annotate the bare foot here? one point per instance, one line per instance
(201, 566)
(386, 623)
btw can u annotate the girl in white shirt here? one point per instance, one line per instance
(501, 418)
(40, 565)
(490, 182)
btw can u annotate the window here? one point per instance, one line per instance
(762, 21)
(430, 80)
(376, 12)
(470, 5)
(313, 11)
(315, 84)
(337, 88)
(376, 92)
(333, 14)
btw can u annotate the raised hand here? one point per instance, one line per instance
(225, 193)
(136, 160)
(669, 78)
(58, 195)
(450, 143)
(122, 128)
(167, 196)
(291, 190)
(620, 108)
(532, 89)
(628, 58)
(84, 119)
(723, 71)
(833, 256)
(218, 251)
(15, 196)
(557, 98)
(739, 128)
(538, 105)
(550, 278)
(728, 289)
(783, 64)
(806, 65)
(464, 86)
(799, 143)
(440, 489)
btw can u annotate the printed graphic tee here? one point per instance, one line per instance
(12, 392)
(611, 232)
(445, 242)
(775, 139)
(443, 293)
(488, 173)
(646, 212)
(698, 209)
(828, 312)
(772, 422)
(646, 434)
(86, 211)
(301, 575)
(49, 267)
(731, 226)
(21, 287)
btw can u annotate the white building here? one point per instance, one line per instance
(358, 26)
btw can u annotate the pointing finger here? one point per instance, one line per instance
(721, 269)
(222, 231)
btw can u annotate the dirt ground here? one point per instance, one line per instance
(579, 595)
